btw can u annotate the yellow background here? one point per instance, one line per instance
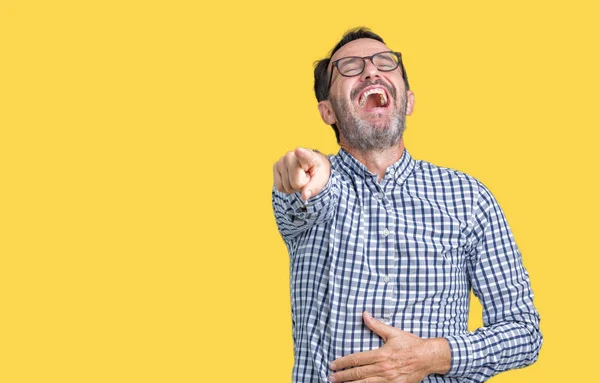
(137, 242)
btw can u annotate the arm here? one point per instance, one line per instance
(305, 192)
(511, 335)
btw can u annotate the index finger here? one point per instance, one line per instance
(358, 359)
(306, 158)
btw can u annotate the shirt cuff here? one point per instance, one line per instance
(461, 351)
(313, 204)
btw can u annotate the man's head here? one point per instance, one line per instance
(366, 98)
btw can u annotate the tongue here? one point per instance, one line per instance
(373, 101)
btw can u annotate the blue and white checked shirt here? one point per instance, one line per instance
(409, 250)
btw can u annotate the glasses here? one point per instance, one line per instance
(353, 65)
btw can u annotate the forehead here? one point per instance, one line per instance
(361, 48)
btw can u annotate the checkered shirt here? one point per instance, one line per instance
(409, 249)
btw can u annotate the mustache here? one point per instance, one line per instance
(357, 91)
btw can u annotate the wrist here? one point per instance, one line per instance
(440, 355)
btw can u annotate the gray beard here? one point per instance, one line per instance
(365, 136)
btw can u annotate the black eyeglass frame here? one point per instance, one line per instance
(335, 64)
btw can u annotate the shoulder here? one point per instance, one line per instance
(436, 173)
(431, 175)
(335, 160)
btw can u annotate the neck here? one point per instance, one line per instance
(377, 161)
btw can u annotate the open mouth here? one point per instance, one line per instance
(373, 98)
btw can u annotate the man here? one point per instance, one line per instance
(379, 238)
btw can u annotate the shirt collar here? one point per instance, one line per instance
(398, 171)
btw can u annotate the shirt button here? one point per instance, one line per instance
(386, 232)
(386, 278)
(301, 215)
(380, 196)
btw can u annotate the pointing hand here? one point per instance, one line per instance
(302, 170)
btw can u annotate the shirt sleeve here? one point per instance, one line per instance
(295, 216)
(511, 336)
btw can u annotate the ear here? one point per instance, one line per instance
(327, 113)
(410, 102)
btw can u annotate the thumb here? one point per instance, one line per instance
(306, 158)
(307, 191)
(379, 328)
(316, 183)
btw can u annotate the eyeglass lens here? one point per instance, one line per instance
(352, 66)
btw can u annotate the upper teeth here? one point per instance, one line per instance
(379, 91)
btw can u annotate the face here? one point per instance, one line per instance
(369, 109)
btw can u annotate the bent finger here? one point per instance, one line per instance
(370, 380)
(285, 179)
(277, 178)
(355, 374)
(298, 177)
(358, 359)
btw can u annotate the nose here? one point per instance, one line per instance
(370, 72)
